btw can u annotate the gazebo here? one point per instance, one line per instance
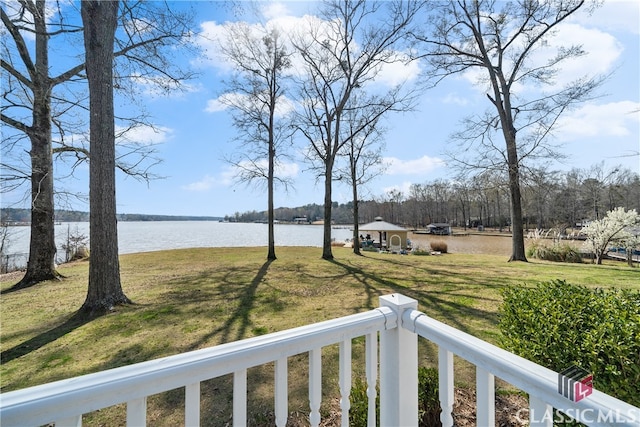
(391, 236)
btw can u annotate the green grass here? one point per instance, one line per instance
(190, 299)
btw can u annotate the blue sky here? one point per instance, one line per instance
(194, 136)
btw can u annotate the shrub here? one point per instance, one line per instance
(428, 401)
(439, 246)
(556, 252)
(359, 411)
(558, 325)
(420, 251)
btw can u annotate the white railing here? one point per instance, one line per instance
(64, 402)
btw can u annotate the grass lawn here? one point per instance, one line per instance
(195, 298)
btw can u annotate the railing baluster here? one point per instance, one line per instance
(281, 392)
(445, 385)
(485, 398)
(315, 385)
(240, 398)
(70, 422)
(371, 367)
(540, 413)
(192, 405)
(137, 412)
(345, 380)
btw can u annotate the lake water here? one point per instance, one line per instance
(158, 235)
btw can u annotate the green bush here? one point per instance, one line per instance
(439, 246)
(428, 401)
(419, 251)
(359, 411)
(557, 325)
(556, 252)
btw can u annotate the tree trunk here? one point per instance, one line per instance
(517, 228)
(356, 229)
(105, 291)
(271, 255)
(42, 246)
(326, 242)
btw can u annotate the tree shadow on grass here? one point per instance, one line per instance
(75, 321)
(240, 318)
(440, 304)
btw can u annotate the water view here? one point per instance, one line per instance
(159, 235)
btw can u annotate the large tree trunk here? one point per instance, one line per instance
(517, 228)
(42, 246)
(105, 291)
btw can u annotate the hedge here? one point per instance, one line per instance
(558, 325)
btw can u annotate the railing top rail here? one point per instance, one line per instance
(74, 396)
(528, 376)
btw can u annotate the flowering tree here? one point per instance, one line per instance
(614, 227)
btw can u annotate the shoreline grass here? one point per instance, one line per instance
(194, 298)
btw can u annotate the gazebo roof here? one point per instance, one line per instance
(380, 225)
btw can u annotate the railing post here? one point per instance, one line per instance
(137, 412)
(192, 405)
(398, 367)
(540, 413)
(485, 398)
(240, 398)
(70, 422)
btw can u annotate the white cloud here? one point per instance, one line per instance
(404, 188)
(144, 134)
(421, 166)
(215, 105)
(395, 73)
(602, 51)
(228, 175)
(206, 183)
(614, 119)
(212, 35)
(614, 15)
(275, 10)
(284, 105)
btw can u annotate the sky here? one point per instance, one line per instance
(194, 135)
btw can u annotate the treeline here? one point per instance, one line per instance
(12, 216)
(550, 199)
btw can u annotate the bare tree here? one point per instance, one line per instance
(36, 81)
(40, 97)
(256, 94)
(500, 39)
(342, 54)
(100, 20)
(363, 152)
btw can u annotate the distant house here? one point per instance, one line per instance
(301, 220)
(440, 228)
